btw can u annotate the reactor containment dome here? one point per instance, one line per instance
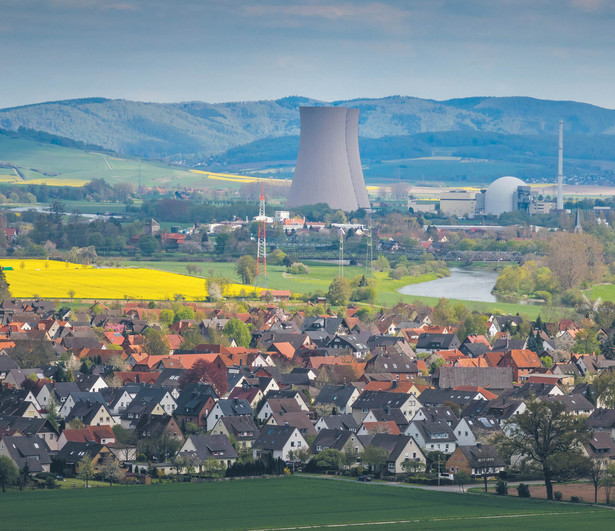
(503, 195)
(328, 168)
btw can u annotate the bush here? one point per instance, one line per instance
(572, 297)
(544, 295)
(523, 490)
(298, 269)
(557, 495)
(575, 499)
(501, 488)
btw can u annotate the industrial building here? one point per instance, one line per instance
(328, 168)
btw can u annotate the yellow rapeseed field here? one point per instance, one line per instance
(55, 280)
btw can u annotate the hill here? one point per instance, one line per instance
(500, 135)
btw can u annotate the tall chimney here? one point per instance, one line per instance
(560, 168)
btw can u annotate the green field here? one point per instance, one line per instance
(61, 165)
(283, 503)
(321, 276)
(604, 291)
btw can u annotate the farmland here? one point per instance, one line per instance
(51, 279)
(285, 502)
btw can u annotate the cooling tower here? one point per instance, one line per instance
(328, 166)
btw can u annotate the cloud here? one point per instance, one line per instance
(373, 11)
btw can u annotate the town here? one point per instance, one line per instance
(136, 392)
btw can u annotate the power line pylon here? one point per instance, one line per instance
(261, 250)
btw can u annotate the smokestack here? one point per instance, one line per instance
(560, 168)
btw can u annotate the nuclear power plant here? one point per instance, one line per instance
(328, 168)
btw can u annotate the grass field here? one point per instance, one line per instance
(321, 276)
(604, 291)
(285, 503)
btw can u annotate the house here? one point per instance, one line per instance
(400, 449)
(227, 408)
(338, 397)
(92, 414)
(277, 441)
(522, 361)
(160, 396)
(432, 429)
(382, 400)
(600, 446)
(470, 431)
(295, 419)
(241, 428)
(280, 405)
(479, 460)
(503, 323)
(603, 420)
(68, 459)
(194, 404)
(96, 434)
(433, 342)
(486, 377)
(204, 447)
(32, 451)
(31, 427)
(156, 426)
(341, 440)
(344, 422)
(74, 398)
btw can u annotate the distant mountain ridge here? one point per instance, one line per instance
(197, 131)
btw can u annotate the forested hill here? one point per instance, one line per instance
(196, 131)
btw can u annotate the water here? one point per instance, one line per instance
(463, 284)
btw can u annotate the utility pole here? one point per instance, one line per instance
(261, 249)
(341, 256)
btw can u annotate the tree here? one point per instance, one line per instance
(604, 389)
(8, 472)
(462, 478)
(86, 470)
(24, 476)
(148, 244)
(330, 459)
(239, 331)
(213, 468)
(608, 480)
(246, 269)
(191, 338)
(574, 258)
(30, 354)
(205, 372)
(375, 456)
(546, 435)
(596, 471)
(155, 343)
(110, 469)
(4, 286)
(339, 292)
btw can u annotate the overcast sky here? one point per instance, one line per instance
(225, 50)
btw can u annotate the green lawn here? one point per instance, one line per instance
(321, 276)
(605, 291)
(285, 502)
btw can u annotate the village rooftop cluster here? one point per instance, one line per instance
(84, 394)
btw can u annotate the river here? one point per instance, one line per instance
(463, 284)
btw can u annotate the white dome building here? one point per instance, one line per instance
(502, 195)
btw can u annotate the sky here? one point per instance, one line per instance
(236, 50)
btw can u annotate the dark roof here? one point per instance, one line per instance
(73, 452)
(380, 400)
(273, 437)
(482, 456)
(503, 344)
(216, 446)
(235, 406)
(31, 450)
(437, 341)
(331, 438)
(393, 444)
(437, 397)
(338, 395)
(341, 422)
(242, 427)
(26, 425)
(485, 377)
(602, 418)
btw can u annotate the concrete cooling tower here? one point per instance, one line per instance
(328, 166)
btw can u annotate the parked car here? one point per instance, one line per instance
(363, 478)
